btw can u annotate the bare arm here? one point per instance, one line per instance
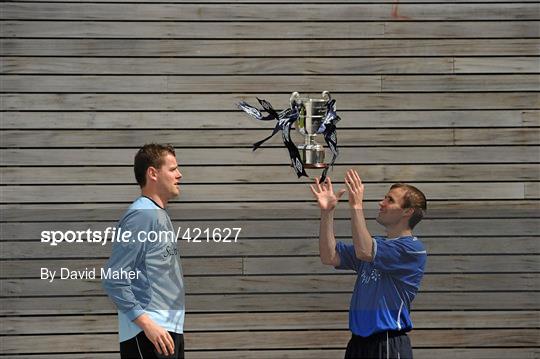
(327, 240)
(362, 240)
(327, 200)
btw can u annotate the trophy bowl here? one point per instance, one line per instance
(312, 113)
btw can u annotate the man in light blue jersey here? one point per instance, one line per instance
(389, 268)
(151, 305)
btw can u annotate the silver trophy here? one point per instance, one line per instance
(312, 114)
(311, 117)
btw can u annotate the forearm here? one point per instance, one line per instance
(160, 337)
(362, 240)
(143, 321)
(327, 239)
(120, 289)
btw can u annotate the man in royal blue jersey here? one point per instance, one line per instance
(150, 304)
(390, 268)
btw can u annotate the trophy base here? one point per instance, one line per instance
(312, 155)
(315, 165)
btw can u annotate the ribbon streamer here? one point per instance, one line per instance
(285, 120)
(282, 117)
(294, 154)
(328, 129)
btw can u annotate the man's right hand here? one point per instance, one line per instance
(161, 338)
(324, 194)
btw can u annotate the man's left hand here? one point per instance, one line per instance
(355, 188)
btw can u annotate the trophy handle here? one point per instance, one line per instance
(295, 96)
(326, 95)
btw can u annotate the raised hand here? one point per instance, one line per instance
(355, 188)
(324, 194)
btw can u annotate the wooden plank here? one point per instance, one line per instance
(278, 83)
(532, 190)
(62, 344)
(227, 66)
(265, 66)
(270, 321)
(275, 302)
(273, 174)
(256, 192)
(182, 211)
(227, 120)
(530, 117)
(278, 340)
(267, 12)
(451, 83)
(272, 30)
(225, 48)
(245, 138)
(213, 30)
(473, 30)
(495, 65)
(221, 102)
(251, 192)
(188, 84)
(95, 255)
(435, 264)
(273, 284)
(496, 136)
(275, 156)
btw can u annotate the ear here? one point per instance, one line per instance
(151, 173)
(408, 212)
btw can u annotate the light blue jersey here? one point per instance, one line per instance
(158, 289)
(385, 287)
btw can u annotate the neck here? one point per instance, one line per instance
(162, 202)
(398, 232)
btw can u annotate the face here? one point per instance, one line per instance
(390, 211)
(168, 177)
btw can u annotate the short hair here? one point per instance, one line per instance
(415, 199)
(150, 155)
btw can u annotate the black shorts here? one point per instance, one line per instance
(391, 344)
(140, 347)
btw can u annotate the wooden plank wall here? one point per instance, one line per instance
(441, 94)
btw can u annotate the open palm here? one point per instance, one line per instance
(324, 194)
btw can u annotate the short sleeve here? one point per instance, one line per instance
(394, 256)
(347, 257)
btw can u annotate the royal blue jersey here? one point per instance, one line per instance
(385, 287)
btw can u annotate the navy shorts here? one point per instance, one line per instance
(391, 345)
(140, 347)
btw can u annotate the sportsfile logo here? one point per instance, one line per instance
(113, 234)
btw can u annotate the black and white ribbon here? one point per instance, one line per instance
(281, 117)
(285, 120)
(294, 154)
(328, 129)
